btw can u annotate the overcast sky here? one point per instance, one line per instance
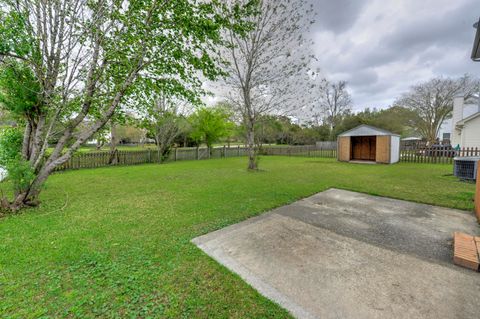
(381, 47)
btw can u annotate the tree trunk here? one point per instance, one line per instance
(431, 136)
(252, 156)
(99, 145)
(30, 196)
(113, 145)
(159, 149)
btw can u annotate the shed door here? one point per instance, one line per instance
(364, 148)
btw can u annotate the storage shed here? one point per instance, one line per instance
(369, 144)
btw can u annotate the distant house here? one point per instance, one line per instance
(465, 124)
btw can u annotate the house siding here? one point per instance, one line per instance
(470, 135)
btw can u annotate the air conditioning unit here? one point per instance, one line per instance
(466, 167)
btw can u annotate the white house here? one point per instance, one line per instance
(465, 124)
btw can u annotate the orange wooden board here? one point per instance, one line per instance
(465, 252)
(344, 148)
(383, 149)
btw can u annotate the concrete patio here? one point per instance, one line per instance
(341, 254)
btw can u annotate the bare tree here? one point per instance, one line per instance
(162, 123)
(269, 65)
(432, 102)
(88, 55)
(334, 102)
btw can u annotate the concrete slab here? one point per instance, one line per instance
(341, 254)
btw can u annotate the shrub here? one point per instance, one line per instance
(19, 171)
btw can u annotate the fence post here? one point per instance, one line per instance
(175, 157)
(196, 153)
(224, 151)
(477, 193)
(238, 150)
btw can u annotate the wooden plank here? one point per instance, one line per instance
(383, 149)
(344, 148)
(465, 252)
(477, 243)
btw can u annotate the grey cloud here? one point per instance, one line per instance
(449, 29)
(337, 15)
(430, 41)
(363, 78)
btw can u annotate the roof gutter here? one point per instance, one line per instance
(476, 43)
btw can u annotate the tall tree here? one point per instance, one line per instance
(162, 122)
(88, 56)
(269, 66)
(210, 124)
(334, 102)
(432, 102)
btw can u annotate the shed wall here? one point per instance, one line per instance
(383, 149)
(394, 149)
(344, 148)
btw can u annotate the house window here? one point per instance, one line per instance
(446, 136)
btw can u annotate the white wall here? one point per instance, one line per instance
(394, 149)
(460, 111)
(471, 133)
(446, 127)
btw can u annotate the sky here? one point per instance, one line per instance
(383, 47)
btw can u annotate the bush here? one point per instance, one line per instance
(10, 145)
(19, 171)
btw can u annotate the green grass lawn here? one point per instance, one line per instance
(115, 242)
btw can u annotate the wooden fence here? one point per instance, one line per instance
(105, 158)
(300, 150)
(437, 155)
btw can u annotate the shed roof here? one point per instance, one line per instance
(367, 130)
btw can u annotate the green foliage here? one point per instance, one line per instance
(209, 125)
(127, 134)
(10, 145)
(19, 171)
(18, 88)
(21, 174)
(272, 129)
(395, 119)
(13, 32)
